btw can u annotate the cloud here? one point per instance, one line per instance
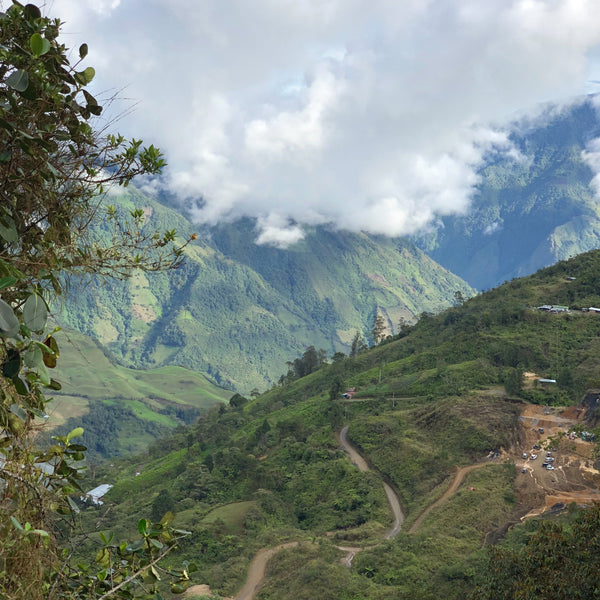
(492, 228)
(278, 231)
(370, 116)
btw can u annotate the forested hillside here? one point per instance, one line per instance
(237, 312)
(533, 206)
(441, 399)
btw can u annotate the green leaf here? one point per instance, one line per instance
(154, 571)
(167, 519)
(35, 361)
(106, 540)
(9, 324)
(35, 313)
(18, 80)
(31, 11)
(77, 432)
(143, 526)
(103, 557)
(137, 545)
(76, 448)
(18, 411)
(84, 77)
(192, 567)
(83, 50)
(12, 364)
(21, 385)
(51, 357)
(7, 282)
(54, 385)
(38, 44)
(73, 506)
(5, 156)
(8, 230)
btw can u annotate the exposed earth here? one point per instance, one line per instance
(545, 435)
(574, 478)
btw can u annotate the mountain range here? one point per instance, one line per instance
(238, 312)
(452, 414)
(534, 205)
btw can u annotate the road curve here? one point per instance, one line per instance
(256, 572)
(454, 485)
(391, 495)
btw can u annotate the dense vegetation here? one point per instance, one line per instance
(237, 312)
(443, 393)
(53, 168)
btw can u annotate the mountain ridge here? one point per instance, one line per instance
(445, 393)
(237, 311)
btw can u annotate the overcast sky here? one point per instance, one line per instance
(369, 115)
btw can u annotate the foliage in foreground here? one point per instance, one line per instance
(54, 168)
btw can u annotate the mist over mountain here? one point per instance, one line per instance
(238, 311)
(533, 207)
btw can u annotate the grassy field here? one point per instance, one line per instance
(128, 408)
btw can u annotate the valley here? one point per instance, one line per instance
(573, 481)
(343, 349)
(439, 419)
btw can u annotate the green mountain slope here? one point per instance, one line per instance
(530, 211)
(443, 394)
(238, 312)
(123, 410)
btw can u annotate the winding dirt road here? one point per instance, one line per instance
(392, 497)
(452, 489)
(256, 572)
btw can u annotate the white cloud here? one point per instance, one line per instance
(591, 157)
(278, 231)
(367, 115)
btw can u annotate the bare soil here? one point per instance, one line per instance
(574, 478)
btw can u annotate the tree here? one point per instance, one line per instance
(513, 380)
(336, 389)
(379, 329)
(162, 504)
(557, 563)
(311, 360)
(358, 345)
(54, 170)
(459, 298)
(237, 401)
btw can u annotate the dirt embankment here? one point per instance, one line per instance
(573, 478)
(544, 433)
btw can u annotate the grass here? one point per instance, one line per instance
(156, 396)
(231, 515)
